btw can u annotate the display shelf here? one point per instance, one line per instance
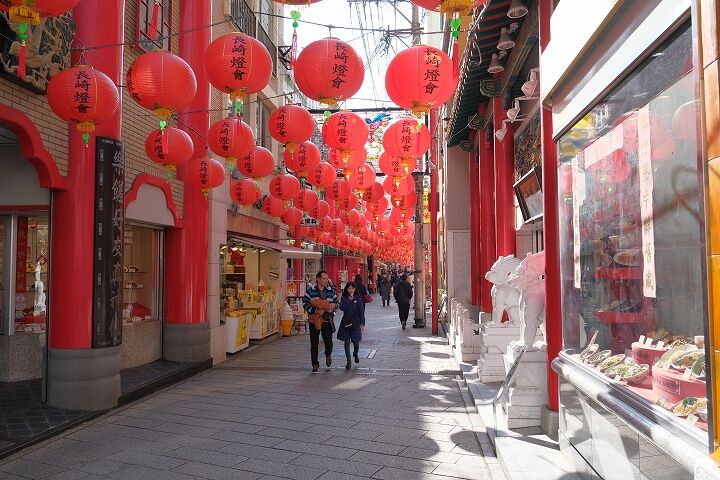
(609, 316)
(618, 273)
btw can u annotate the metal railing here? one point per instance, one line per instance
(243, 17)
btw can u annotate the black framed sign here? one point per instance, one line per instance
(108, 242)
(528, 191)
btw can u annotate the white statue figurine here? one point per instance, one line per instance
(529, 281)
(505, 298)
(39, 307)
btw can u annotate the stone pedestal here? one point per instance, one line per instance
(526, 396)
(468, 341)
(494, 339)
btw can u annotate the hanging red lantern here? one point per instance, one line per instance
(205, 173)
(392, 166)
(291, 125)
(230, 138)
(326, 224)
(245, 191)
(349, 202)
(339, 190)
(305, 159)
(406, 202)
(374, 192)
(379, 206)
(257, 164)
(350, 218)
(433, 77)
(238, 64)
(398, 187)
(356, 158)
(292, 216)
(83, 96)
(405, 138)
(338, 227)
(364, 178)
(449, 6)
(284, 187)
(162, 83)
(329, 71)
(273, 206)
(346, 131)
(306, 200)
(321, 210)
(171, 149)
(323, 176)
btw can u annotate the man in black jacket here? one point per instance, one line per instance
(403, 292)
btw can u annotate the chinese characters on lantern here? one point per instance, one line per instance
(204, 172)
(81, 95)
(432, 71)
(238, 64)
(406, 137)
(225, 136)
(340, 66)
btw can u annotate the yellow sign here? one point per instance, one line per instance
(426, 205)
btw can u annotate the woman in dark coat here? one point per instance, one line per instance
(384, 287)
(353, 321)
(362, 289)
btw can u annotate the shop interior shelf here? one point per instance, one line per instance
(619, 273)
(609, 316)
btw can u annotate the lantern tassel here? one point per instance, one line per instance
(22, 56)
(456, 59)
(293, 50)
(152, 27)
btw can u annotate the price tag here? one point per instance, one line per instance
(692, 419)
(687, 373)
(661, 402)
(641, 340)
(648, 342)
(660, 344)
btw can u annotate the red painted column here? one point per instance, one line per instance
(71, 275)
(504, 196)
(551, 228)
(487, 218)
(186, 269)
(474, 174)
(434, 204)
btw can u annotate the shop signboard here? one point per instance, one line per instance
(108, 241)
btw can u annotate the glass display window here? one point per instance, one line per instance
(142, 273)
(633, 238)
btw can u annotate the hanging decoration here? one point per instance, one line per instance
(339, 190)
(434, 80)
(295, 16)
(351, 218)
(306, 200)
(329, 71)
(374, 193)
(29, 12)
(392, 187)
(245, 191)
(406, 139)
(291, 125)
(238, 64)
(349, 202)
(321, 210)
(345, 131)
(273, 206)
(205, 173)
(406, 201)
(292, 216)
(257, 164)
(326, 224)
(395, 167)
(323, 176)
(171, 149)
(449, 6)
(305, 159)
(230, 138)
(284, 187)
(364, 178)
(348, 163)
(83, 96)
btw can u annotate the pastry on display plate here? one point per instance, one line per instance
(611, 361)
(690, 406)
(687, 360)
(629, 372)
(673, 354)
(598, 357)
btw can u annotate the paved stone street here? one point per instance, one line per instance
(399, 414)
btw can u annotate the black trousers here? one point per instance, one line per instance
(404, 309)
(327, 336)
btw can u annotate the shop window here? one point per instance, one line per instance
(633, 240)
(150, 38)
(142, 271)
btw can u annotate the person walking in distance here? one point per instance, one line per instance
(403, 292)
(320, 302)
(384, 288)
(353, 321)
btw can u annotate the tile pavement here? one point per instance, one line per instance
(399, 414)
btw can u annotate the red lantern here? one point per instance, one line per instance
(321, 210)
(304, 160)
(245, 191)
(406, 202)
(306, 200)
(230, 138)
(420, 78)
(326, 224)
(353, 160)
(273, 206)
(284, 187)
(398, 187)
(296, 2)
(364, 177)
(323, 176)
(406, 138)
(338, 227)
(292, 216)
(449, 6)
(206, 173)
(339, 190)
(350, 217)
(291, 125)
(83, 96)
(379, 206)
(238, 64)
(170, 149)
(349, 202)
(374, 192)
(161, 82)
(329, 70)
(257, 164)
(346, 131)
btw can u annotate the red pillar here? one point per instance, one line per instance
(504, 196)
(434, 204)
(71, 275)
(487, 218)
(186, 270)
(474, 175)
(551, 229)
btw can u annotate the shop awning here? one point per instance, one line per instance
(286, 251)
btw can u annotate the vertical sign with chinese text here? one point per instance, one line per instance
(108, 242)
(646, 201)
